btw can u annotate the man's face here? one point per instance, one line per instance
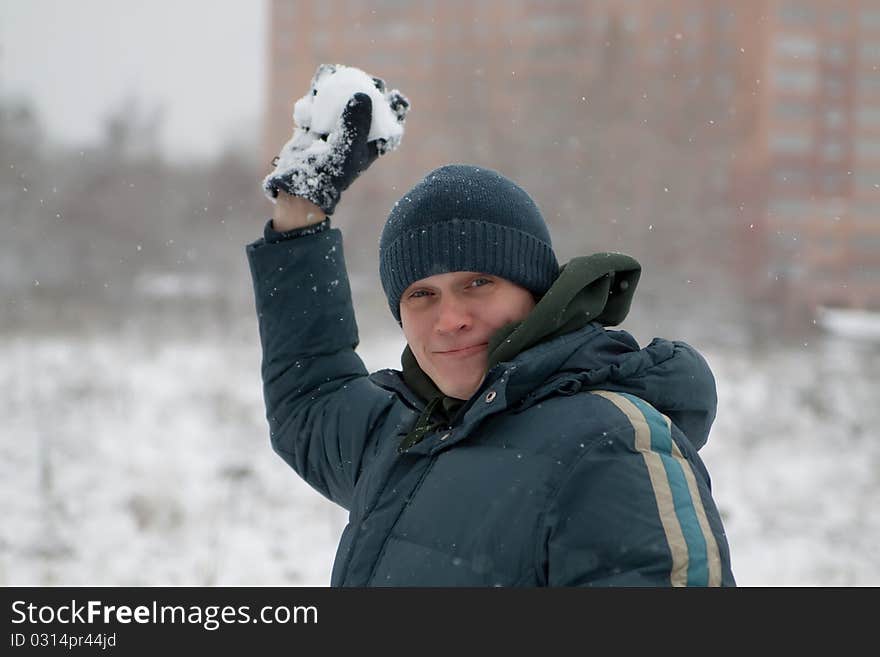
(448, 320)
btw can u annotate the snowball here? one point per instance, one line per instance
(321, 108)
(311, 149)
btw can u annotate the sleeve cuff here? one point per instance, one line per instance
(271, 236)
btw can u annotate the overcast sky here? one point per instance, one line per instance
(201, 60)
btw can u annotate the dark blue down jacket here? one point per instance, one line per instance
(574, 464)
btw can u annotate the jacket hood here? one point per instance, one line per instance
(670, 375)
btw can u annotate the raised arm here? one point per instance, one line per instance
(322, 410)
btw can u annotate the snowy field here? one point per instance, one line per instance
(135, 460)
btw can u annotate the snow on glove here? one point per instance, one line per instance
(343, 124)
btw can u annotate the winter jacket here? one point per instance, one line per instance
(574, 464)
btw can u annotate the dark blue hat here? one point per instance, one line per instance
(465, 218)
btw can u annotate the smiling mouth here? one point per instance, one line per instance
(466, 351)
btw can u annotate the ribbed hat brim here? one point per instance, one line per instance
(466, 245)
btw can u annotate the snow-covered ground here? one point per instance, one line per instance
(130, 460)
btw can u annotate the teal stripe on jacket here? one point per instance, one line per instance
(661, 442)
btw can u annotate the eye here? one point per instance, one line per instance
(417, 294)
(480, 282)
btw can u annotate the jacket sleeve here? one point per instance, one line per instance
(322, 410)
(635, 508)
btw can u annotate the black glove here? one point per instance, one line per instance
(319, 168)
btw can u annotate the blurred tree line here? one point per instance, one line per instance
(113, 233)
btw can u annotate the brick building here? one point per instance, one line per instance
(705, 137)
(818, 145)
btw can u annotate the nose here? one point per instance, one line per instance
(453, 314)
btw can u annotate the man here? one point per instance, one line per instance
(523, 443)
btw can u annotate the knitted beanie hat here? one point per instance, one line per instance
(465, 218)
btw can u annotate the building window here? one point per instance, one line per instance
(866, 273)
(796, 12)
(785, 272)
(599, 22)
(866, 210)
(868, 116)
(868, 182)
(724, 85)
(630, 22)
(552, 24)
(838, 19)
(834, 118)
(323, 10)
(870, 18)
(657, 54)
(868, 149)
(833, 86)
(832, 150)
(792, 177)
(833, 183)
(791, 144)
(869, 243)
(836, 53)
(725, 17)
(795, 46)
(661, 22)
(795, 80)
(790, 209)
(389, 5)
(870, 51)
(869, 83)
(692, 22)
(793, 110)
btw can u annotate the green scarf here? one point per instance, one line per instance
(595, 288)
